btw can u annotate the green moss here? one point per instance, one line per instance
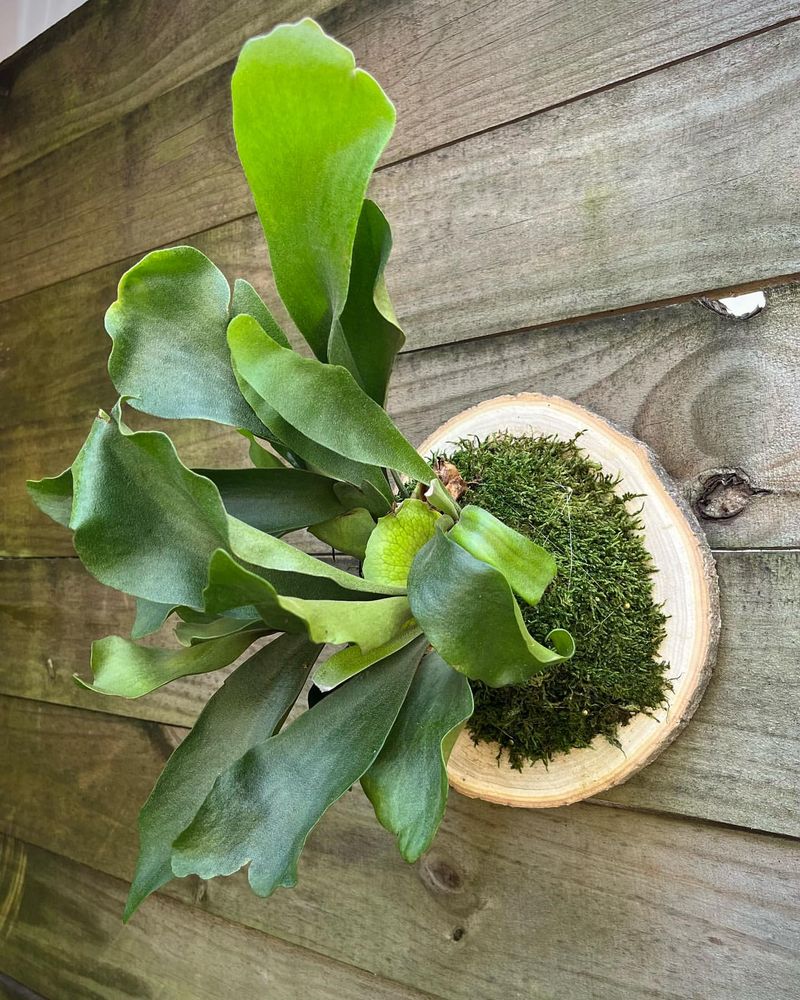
(549, 490)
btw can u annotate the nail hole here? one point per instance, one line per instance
(736, 306)
(458, 933)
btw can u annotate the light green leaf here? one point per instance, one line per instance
(367, 337)
(368, 623)
(261, 810)
(274, 555)
(470, 616)
(276, 500)
(260, 456)
(347, 533)
(53, 496)
(143, 522)
(323, 402)
(396, 540)
(309, 129)
(247, 300)
(438, 497)
(124, 669)
(352, 660)
(193, 633)
(170, 354)
(317, 457)
(249, 707)
(528, 567)
(407, 784)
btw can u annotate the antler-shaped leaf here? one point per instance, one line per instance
(309, 129)
(249, 707)
(262, 809)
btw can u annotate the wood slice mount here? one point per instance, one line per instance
(686, 582)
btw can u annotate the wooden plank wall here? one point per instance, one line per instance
(565, 180)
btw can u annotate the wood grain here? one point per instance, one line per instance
(685, 585)
(657, 188)
(67, 941)
(438, 61)
(702, 391)
(585, 902)
(50, 610)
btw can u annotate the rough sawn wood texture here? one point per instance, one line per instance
(565, 179)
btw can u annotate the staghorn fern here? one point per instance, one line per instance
(436, 604)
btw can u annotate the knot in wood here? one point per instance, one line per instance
(722, 494)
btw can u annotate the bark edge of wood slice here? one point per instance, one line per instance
(686, 582)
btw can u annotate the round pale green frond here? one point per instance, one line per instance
(250, 706)
(470, 616)
(528, 567)
(170, 353)
(407, 784)
(261, 810)
(309, 129)
(323, 402)
(396, 540)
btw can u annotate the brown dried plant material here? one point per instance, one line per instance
(450, 478)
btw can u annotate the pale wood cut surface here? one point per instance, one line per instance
(702, 391)
(642, 192)
(66, 940)
(581, 902)
(438, 61)
(711, 771)
(685, 585)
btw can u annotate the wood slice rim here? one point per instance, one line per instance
(686, 582)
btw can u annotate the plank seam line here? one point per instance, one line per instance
(413, 990)
(432, 149)
(595, 90)
(146, 724)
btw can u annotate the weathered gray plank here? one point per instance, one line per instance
(104, 59)
(704, 392)
(650, 190)
(585, 902)
(738, 760)
(66, 940)
(50, 611)
(438, 61)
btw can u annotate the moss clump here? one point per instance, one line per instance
(550, 491)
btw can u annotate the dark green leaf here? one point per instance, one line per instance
(170, 354)
(407, 784)
(367, 336)
(323, 402)
(150, 616)
(528, 567)
(124, 669)
(143, 522)
(262, 809)
(276, 500)
(470, 616)
(53, 496)
(309, 129)
(249, 707)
